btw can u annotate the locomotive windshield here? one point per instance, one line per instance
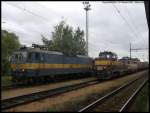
(19, 57)
(107, 55)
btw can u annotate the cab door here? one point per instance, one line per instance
(41, 64)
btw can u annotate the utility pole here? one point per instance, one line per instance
(135, 49)
(146, 4)
(87, 8)
(130, 51)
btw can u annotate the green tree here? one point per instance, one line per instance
(79, 42)
(10, 43)
(47, 43)
(66, 40)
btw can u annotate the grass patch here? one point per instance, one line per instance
(141, 103)
(6, 80)
(77, 104)
(67, 106)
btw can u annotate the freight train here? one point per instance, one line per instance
(36, 64)
(107, 65)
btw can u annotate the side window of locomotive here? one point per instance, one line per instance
(30, 57)
(46, 57)
(102, 56)
(37, 57)
(16, 56)
(42, 57)
(13, 58)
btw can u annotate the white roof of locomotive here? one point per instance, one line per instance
(82, 56)
(50, 52)
(45, 51)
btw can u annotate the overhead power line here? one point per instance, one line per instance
(27, 11)
(125, 20)
(140, 49)
(47, 9)
(131, 19)
(136, 49)
(133, 24)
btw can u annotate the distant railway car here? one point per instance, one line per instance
(36, 64)
(134, 64)
(107, 65)
(143, 65)
(131, 64)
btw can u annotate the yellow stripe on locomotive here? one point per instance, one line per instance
(48, 66)
(107, 62)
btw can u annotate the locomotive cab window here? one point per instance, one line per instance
(108, 55)
(19, 57)
(30, 57)
(42, 57)
(37, 56)
(33, 57)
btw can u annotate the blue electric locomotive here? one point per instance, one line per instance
(36, 64)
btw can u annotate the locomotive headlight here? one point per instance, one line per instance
(104, 67)
(22, 69)
(99, 68)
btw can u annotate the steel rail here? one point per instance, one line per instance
(23, 85)
(126, 105)
(93, 104)
(12, 86)
(23, 99)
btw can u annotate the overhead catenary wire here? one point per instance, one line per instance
(131, 18)
(136, 28)
(133, 24)
(124, 20)
(28, 11)
(48, 9)
(61, 17)
(37, 15)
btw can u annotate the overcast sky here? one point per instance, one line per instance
(107, 29)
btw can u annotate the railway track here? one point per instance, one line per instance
(24, 99)
(117, 100)
(22, 85)
(12, 86)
